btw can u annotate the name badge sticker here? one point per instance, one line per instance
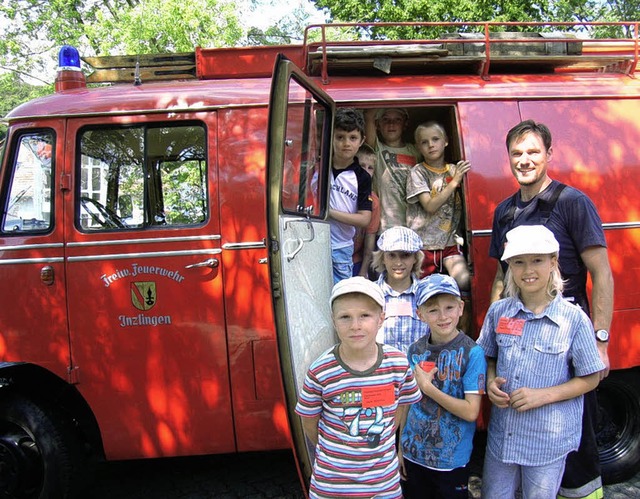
(376, 396)
(509, 325)
(398, 309)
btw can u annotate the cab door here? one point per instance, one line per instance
(144, 271)
(299, 243)
(33, 322)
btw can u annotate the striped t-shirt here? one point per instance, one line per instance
(356, 453)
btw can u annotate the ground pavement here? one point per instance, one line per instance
(260, 475)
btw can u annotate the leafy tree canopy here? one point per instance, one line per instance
(479, 10)
(14, 92)
(34, 30)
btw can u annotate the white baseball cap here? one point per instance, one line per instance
(358, 285)
(530, 240)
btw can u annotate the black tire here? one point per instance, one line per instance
(40, 453)
(618, 426)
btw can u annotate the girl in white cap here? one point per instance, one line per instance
(541, 357)
(398, 261)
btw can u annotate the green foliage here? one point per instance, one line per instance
(33, 30)
(461, 11)
(14, 92)
(155, 26)
(286, 30)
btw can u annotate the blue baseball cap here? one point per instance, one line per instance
(400, 238)
(436, 284)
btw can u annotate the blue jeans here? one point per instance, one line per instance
(342, 259)
(501, 480)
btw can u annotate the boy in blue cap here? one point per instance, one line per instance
(450, 369)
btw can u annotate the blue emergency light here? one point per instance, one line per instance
(68, 58)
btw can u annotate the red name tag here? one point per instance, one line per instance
(376, 396)
(507, 325)
(406, 159)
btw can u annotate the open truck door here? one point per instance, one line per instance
(299, 241)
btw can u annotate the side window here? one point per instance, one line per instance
(136, 177)
(29, 206)
(301, 188)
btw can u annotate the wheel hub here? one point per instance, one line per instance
(20, 465)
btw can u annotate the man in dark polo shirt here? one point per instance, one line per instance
(574, 220)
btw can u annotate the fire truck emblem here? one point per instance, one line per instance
(143, 294)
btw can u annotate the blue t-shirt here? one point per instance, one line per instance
(574, 222)
(432, 436)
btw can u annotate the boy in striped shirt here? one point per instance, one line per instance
(353, 398)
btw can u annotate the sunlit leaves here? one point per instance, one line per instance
(33, 30)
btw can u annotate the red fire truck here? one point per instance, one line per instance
(165, 257)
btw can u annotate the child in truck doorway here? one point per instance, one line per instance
(350, 199)
(385, 129)
(434, 209)
(364, 243)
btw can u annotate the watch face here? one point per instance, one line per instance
(602, 335)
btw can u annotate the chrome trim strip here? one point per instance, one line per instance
(181, 109)
(215, 237)
(480, 233)
(240, 246)
(605, 226)
(152, 254)
(31, 246)
(13, 261)
(474, 95)
(621, 225)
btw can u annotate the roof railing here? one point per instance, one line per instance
(481, 48)
(490, 43)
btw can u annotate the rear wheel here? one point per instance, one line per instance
(40, 454)
(618, 426)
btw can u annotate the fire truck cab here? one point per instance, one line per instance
(165, 253)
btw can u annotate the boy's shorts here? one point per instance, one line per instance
(342, 259)
(434, 259)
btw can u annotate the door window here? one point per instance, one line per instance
(305, 125)
(137, 177)
(28, 208)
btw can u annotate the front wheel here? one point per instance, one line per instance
(40, 453)
(618, 425)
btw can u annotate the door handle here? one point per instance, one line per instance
(211, 262)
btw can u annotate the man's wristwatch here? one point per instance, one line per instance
(602, 335)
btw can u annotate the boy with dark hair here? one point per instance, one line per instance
(350, 200)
